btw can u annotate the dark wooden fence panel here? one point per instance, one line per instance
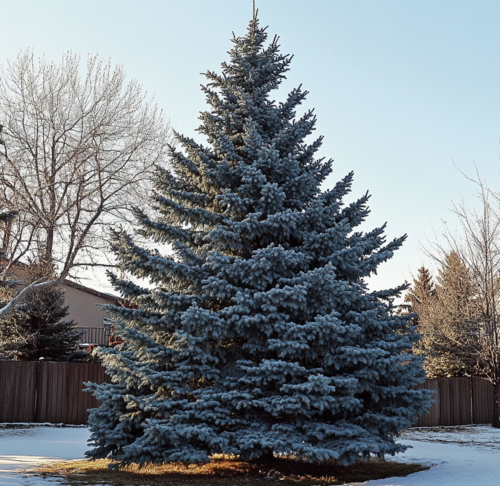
(47, 392)
(17, 391)
(458, 401)
(482, 401)
(431, 418)
(53, 392)
(78, 402)
(455, 401)
(50, 393)
(463, 398)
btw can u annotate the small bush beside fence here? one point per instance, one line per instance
(38, 391)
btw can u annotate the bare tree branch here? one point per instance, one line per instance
(18, 298)
(478, 247)
(77, 155)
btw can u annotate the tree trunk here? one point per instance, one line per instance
(49, 244)
(496, 405)
(6, 236)
(267, 456)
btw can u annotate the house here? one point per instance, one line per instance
(85, 308)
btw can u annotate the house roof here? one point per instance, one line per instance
(17, 271)
(83, 288)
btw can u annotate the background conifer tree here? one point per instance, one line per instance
(36, 327)
(420, 294)
(448, 318)
(261, 335)
(418, 303)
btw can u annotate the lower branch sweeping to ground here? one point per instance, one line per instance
(225, 470)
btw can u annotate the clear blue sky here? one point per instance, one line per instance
(401, 88)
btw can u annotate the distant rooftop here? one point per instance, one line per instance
(83, 288)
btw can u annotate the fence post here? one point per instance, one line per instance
(37, 391)
(472, 418)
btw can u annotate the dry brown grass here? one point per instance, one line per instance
(224, 471)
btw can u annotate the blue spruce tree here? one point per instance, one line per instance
(260, 335)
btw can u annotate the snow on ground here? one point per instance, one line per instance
(459, 456)
(24, 446)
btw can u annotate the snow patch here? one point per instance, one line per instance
(459, 456)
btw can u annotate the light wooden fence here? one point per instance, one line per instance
(37, 391)
(458, 401)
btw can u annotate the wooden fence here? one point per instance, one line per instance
(37, 391)
(458, 401)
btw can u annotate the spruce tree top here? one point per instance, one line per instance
(260, 335)
(423, 290)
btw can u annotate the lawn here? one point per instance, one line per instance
(225, 471)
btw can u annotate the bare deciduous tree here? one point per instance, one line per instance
(478, 247)
(77, 153)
